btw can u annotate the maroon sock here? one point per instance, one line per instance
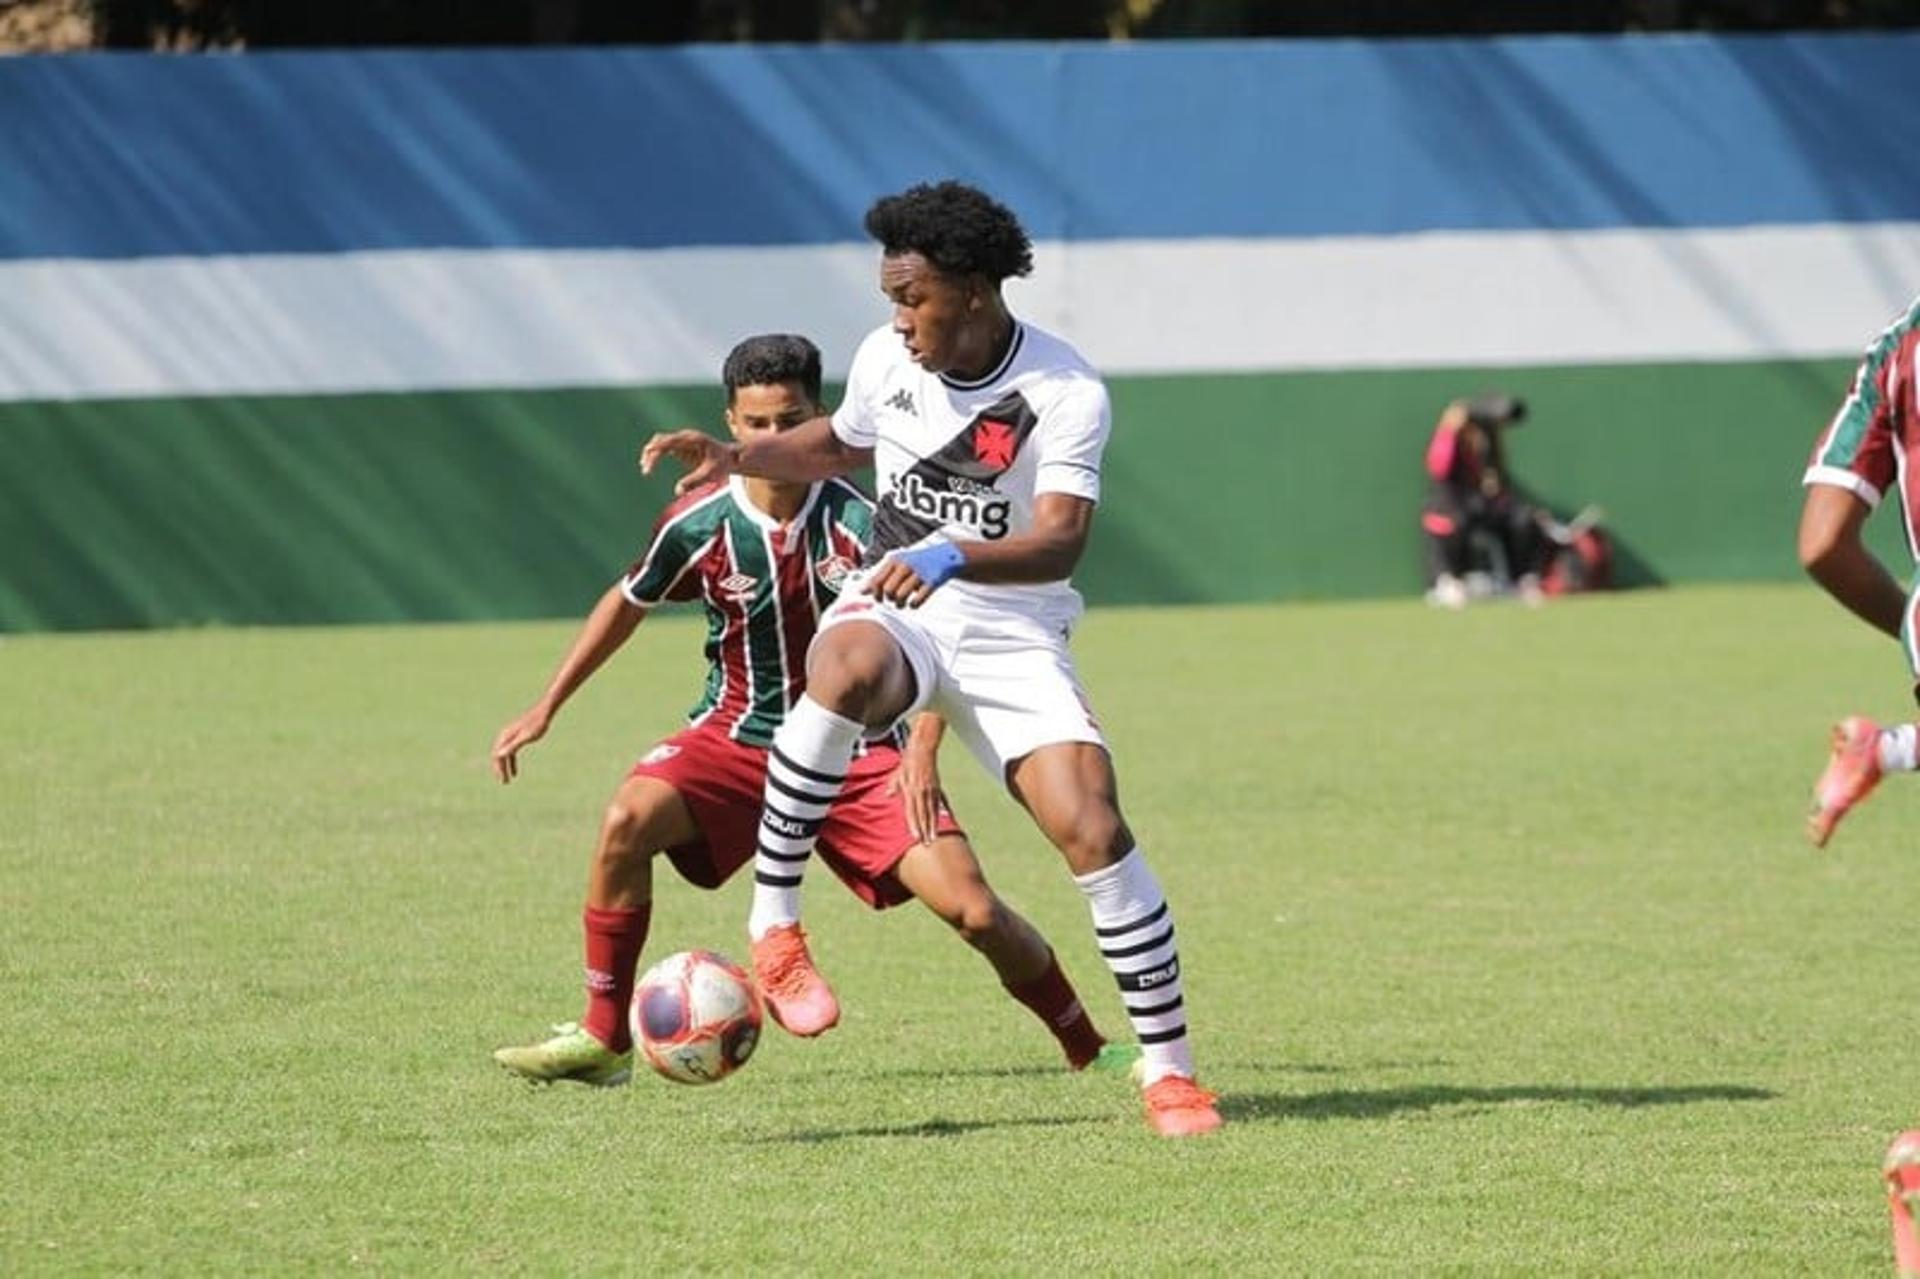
(614, 939)
(1050, 997)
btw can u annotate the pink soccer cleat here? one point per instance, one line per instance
(1852, 771)
(796, 994)
(1178, 1107)
(1902, 1171)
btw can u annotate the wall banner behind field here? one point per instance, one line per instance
(332, 337)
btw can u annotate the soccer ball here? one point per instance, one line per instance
(696, 1017)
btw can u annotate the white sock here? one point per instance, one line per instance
(805, 767)
(1135, 931)
(1897, 749)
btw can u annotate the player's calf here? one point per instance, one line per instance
(1051, 998)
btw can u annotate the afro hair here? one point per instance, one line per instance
(960, 229)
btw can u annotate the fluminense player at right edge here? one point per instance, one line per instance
(986, 435)
(1872, 445)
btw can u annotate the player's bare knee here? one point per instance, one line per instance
(622, 829)
(979, 918)
(847, 678)
(1093, 837)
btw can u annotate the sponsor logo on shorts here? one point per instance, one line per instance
(660, 754)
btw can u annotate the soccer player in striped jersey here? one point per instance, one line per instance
(1871, 446)
(766, 560)
(986, 435)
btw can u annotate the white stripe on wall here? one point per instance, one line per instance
(444, 319)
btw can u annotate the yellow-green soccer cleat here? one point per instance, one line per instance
(571, 1053)
(1117, 1059)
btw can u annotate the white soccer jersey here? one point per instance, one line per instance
(967, 459)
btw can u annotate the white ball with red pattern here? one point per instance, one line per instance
(696, 1017)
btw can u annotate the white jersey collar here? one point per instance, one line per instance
(999, 370)
(737, 485)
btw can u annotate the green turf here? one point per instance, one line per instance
(1502, 947)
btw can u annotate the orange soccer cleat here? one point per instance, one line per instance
(1178, 1107)
(796, 994)
(1852, 772)
(1902, 1170)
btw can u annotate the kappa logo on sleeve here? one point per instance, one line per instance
(901, 399)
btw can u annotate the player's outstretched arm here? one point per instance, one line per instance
(1047, 552)
(808, 452)
(607, 627)
(1834, 555)
(917, 780)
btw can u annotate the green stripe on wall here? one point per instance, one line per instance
(520, 504)
(348, 508)
(1309, 484)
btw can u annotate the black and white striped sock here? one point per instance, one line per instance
(805, 768)
(1135, 930)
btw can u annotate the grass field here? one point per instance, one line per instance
(1502, 948)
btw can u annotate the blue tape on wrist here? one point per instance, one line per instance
(935, 563)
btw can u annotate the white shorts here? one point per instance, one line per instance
(1006, 686)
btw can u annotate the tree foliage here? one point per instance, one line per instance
(191, 24)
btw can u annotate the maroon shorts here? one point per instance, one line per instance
(864, 836)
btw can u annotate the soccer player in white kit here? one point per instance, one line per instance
(986, 436)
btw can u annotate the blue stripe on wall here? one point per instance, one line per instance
(118, 156)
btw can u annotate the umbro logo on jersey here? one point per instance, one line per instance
(738, 585)
(901, 399)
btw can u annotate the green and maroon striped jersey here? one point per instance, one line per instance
(764, 586)
(1873, 442)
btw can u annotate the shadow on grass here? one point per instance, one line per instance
(1374, 1103)
(1322, 1067)
(925, 1128)
(967, 1072)
(1259, 1067)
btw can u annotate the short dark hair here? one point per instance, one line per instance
(1497, 408)
(772, 358)
(960, 229)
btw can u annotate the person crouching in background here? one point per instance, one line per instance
(1483, 538)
